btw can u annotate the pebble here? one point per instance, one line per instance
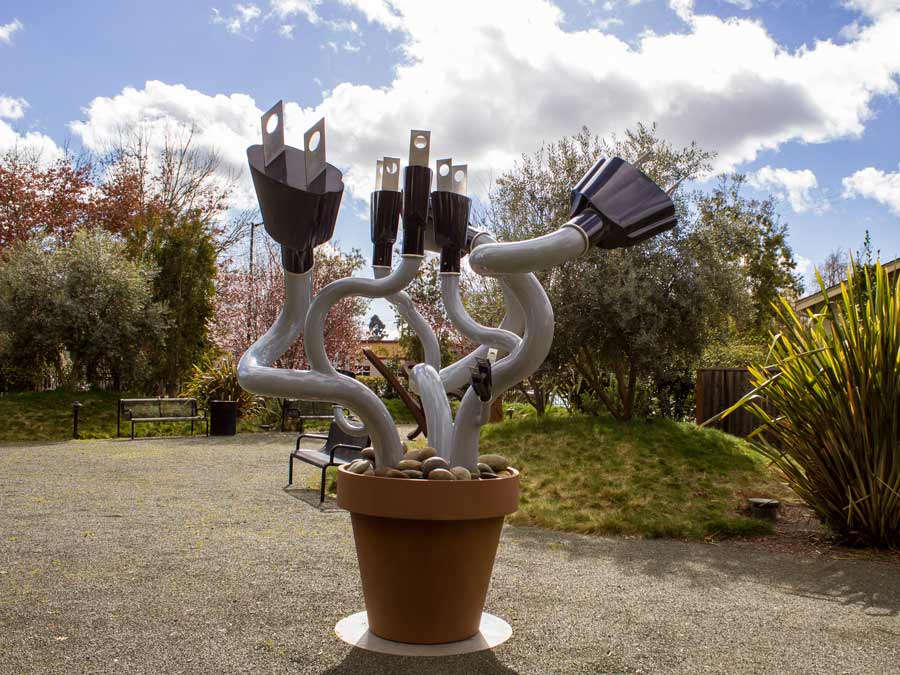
(440, 474)
(421, 454)
(504, 474)
(488, 474)
(406, 464)
(461, 473)
(412, 473)
(394, 473)
(368, 453)
(433, 463)
(362, 466)
(381, 472)
(496, 462)
(482, 468)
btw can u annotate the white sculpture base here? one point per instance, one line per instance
(354, 630)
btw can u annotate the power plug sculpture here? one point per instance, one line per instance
(614, 205)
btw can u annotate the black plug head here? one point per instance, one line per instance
(299, 193)
(450, 209)
(416, 192)
(385, 206)
(617, 205)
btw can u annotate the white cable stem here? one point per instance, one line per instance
(530, 255)
(423, 330)
(436, 407)
(507, 372)
(494, 338)
(353, 393)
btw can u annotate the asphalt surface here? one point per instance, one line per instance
(188, 556)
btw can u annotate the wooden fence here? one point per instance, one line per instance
(717, 389)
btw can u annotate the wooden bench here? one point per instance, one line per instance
(136, 410)
(339, 448)
(305, 410)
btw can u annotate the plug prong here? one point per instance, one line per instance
(445, 175)
(390, 176)
(419, 147)
(379, 173)
(314, 151)
(272, 123)
(460, 175)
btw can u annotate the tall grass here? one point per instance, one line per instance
(829, 407)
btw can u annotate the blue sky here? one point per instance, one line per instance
(800, 95)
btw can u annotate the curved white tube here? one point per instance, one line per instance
(530, 255)
(456, 375)
(348, 426)
(436, 407)
(423, 330)
(353, 393)
(496, 338)
(507, 372)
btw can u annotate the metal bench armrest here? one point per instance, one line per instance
(342, 445)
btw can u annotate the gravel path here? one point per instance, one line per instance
(186, 555)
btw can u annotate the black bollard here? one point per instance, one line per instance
(76, 406)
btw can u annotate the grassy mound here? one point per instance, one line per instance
(654, 479)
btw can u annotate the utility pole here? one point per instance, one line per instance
(252, 282)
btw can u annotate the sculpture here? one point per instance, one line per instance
(299, 193)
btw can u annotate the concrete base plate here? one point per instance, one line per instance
(354, 630)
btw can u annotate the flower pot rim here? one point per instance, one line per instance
(411, 499)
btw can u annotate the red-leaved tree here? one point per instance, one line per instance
(247, 305)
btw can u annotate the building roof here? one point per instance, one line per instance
(817, 298)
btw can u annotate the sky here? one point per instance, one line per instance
(799, 95)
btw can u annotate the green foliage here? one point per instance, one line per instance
(829, 407)
(215, 379)
(653, 479)
(184, 255)
(84, 310)
(377, 384)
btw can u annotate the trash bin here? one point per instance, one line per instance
(222, 418)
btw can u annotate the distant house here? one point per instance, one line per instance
(817, 300)
(387, 350)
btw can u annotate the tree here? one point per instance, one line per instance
(833, 269)
(246, 306)
(377, 328)
(83, 309)
(630, 311)
(184, 256)
(43, 202)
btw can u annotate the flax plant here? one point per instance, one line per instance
(829, 406)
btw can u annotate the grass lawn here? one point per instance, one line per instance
(654, 479)
(47, 416)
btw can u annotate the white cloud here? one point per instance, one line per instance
(31, 141)
(608, 22)
(12, 108)
(746, 5)
(243, 19)
(288, 8)
(874, 8)
(875, 184)
(286, 30)
(382, 12)
(493, 80)
(683, 8)
(7, 30)
(804, 265)
(796, 186)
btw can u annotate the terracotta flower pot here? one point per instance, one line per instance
(426, 551)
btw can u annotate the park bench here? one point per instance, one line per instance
(305, 410)
(339, 448)
(136, 410)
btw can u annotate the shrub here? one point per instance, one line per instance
(829, 407)
(216, 380)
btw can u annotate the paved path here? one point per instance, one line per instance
(188, 556)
